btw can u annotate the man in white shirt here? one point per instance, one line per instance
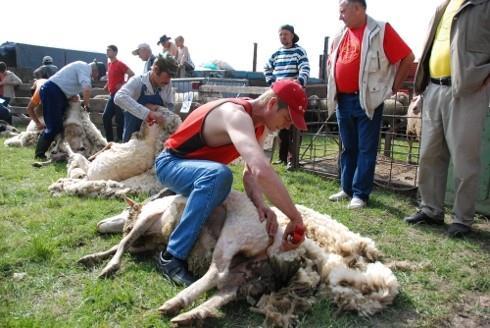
(70, 81)
(142, 94)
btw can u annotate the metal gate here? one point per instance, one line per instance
(319, 148)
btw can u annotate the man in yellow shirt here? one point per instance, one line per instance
(453, 77)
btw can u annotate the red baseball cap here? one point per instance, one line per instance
(293, 94)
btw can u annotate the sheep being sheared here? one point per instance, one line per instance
(128, 165)
(78, 130)
(122, 161)
(332, 261)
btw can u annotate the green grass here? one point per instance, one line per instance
(42, 237)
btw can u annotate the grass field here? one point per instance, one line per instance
(42, 237)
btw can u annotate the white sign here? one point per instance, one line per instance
(187, 101)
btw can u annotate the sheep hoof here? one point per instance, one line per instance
(88, 261)
(170, 308)
(195, 317)
(184, 320)
(108, 271)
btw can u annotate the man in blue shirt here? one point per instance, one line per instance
(288, 62)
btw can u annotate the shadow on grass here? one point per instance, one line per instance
(476, 236)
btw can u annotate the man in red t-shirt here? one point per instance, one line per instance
(116, 76)
(367, 63)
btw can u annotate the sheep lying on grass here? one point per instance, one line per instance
(119, 168)
(240, 260)
(7, 130)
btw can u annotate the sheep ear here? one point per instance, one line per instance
(130, 202)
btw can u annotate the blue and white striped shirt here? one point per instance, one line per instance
(288, 63)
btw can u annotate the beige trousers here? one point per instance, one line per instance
(451, 130)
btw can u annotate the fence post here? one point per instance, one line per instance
(254, 68)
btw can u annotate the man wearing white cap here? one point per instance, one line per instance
(144, 52)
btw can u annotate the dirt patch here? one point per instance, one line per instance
(473, 310)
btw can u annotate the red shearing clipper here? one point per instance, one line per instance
(297, 235)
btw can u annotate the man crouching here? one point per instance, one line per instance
(195, 160)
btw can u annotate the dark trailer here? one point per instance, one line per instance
(24, 58)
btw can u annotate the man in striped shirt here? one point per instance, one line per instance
(289, 62)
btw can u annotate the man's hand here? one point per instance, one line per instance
(39, 125)
(152, 107)
(155, 117)
(265, 213)
(294, 235)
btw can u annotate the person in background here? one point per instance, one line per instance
(116, 77)
(46, 70)
(186, 66)
(34, 108)
(142, 94)
(289, 62)
(453, 77)
(168, 47)
(194, 164)
(367, 64)
(8, 81)
(67, 83)
(144, 52)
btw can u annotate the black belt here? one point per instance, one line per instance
(442, 81)
(349, 94)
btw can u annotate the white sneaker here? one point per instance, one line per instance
(356, 203)
(338, 196)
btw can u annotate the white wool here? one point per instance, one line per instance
(95, 139)
(146, 182)
(78, 187)
(23, 139)
(126, 160)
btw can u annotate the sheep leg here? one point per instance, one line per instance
(191, 293)
(388, 142)
(92, 259)
(410, 147)
(113, 224)
(208, 309)
(140, 227)
(108, 146)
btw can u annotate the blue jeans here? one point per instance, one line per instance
(360, 137)
(205, 183)
(54, 104)
(131, 125)
(110, 111)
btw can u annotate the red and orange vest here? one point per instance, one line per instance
(188, 141)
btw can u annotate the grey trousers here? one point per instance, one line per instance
(451, 130)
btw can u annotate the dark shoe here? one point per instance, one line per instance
(458, 230)
(174, 269)
(289, 166)
(420, 217)
(42, 147)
